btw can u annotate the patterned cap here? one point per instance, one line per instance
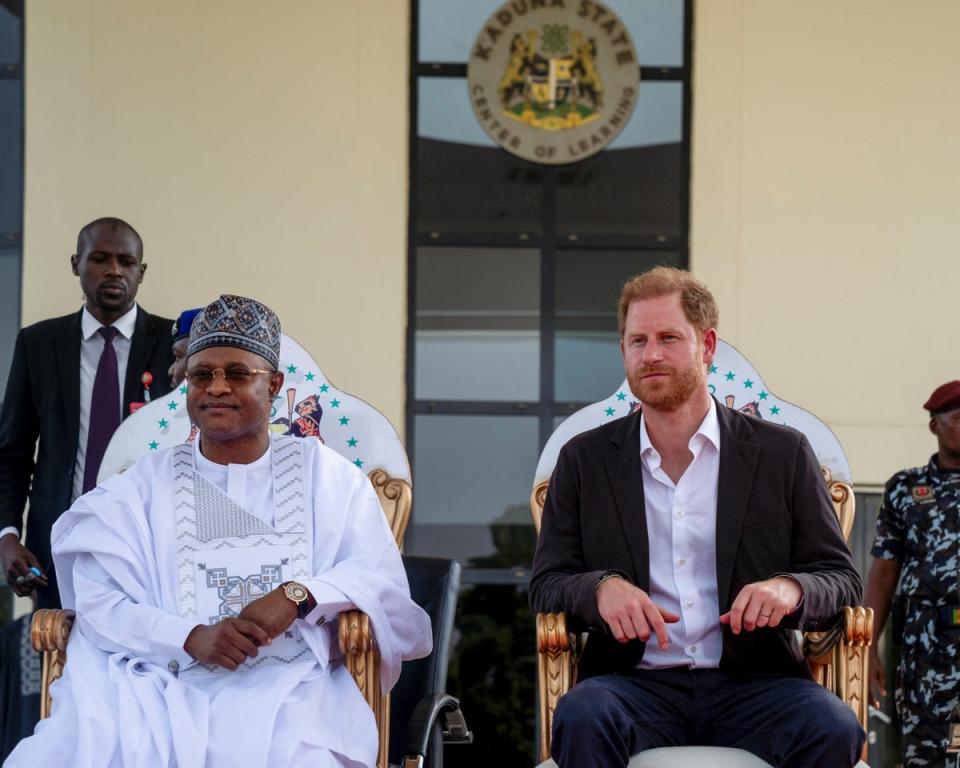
(235, 321)
(182, 325)
(946, 397)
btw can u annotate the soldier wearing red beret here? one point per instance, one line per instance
(915, 556)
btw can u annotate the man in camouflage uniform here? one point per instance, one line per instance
(917, 546)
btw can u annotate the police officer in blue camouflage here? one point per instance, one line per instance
(916, 554)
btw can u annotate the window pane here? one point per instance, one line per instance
(478, 324)
(634, 189)
(9, 310)
(11, 33)
(448, 28)
(472, 478)
(444, 112)
(465, 183)
(11, 154)
(656, 27)
(587, 342)
(657, 119)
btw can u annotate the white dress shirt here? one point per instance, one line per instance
(682, 531)
(249, 485)
(91, 346)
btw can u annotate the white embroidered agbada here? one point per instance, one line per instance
(131, 696)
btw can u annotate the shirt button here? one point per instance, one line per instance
(689, 603)
(693, 649)
(680, 513)
(681, 562)
(173, 667)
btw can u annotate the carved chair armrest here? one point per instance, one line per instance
(818, 646)
(50, 629)
(839, 658)
(556, 659)
(362, 659)
(853, 628)
(49, 634)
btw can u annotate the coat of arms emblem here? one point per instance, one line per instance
(560, 90)
(553, 84)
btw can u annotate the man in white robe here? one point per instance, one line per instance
(207, 579)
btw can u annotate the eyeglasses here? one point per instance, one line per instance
(235, 376)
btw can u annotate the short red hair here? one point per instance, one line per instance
(698, 303)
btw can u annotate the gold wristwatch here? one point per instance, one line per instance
(297, 594)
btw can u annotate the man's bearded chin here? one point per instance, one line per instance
(665, 395)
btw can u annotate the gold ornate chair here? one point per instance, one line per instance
(359, 648)
(837, 656)
(50, 629)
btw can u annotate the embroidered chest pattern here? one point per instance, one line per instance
(237, 557)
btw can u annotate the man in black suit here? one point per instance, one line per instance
(689, 540)
(52, 393)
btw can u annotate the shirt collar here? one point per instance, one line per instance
(709, 430)
(203, 463)
(125, 324)
(938, 475)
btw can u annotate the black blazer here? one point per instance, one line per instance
(43, 401)
(774, 517)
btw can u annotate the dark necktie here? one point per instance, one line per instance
(104, 408)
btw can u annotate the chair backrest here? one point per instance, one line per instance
(734, 381)
(434, 584)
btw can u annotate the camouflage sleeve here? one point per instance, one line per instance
(888, 542)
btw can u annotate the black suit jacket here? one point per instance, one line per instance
(774, 517)
(43, 402)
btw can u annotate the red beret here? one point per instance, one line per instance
(946, 397)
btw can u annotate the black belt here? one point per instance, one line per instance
(947, 615)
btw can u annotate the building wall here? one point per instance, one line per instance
(259, 148)
(825, 207)
(262, 149)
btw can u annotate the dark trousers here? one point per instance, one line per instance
(786, 721)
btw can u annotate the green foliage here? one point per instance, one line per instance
(493, 673)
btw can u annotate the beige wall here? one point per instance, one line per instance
(259, 148)
(826, 203)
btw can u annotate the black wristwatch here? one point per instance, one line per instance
(297, 594)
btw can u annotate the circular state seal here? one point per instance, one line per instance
(553, 81)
